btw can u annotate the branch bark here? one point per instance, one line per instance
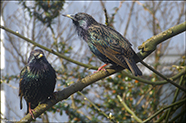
(150, 45)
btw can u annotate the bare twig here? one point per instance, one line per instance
(177, 116)
(85, 98)
(128, 21)
(129, 110)
(174, 99)
(169, 106)
(105, 11)
(182, 72)
(162, 76)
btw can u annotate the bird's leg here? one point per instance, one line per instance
(101, 68)
(31, 110)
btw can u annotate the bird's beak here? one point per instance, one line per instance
(69, 16)
(40, 55)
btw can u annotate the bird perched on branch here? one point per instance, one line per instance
(37, 80)
(106, 43)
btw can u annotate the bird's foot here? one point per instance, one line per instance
(101, 68)
(31, 111)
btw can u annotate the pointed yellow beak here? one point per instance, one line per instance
(69, 16)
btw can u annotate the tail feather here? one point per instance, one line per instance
(27, 108)
(21, 106)
(133, 67)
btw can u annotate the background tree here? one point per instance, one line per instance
(112, 98)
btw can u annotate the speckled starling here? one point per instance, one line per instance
(106, 43)
(37, 80)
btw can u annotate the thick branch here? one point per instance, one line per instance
(150, 45)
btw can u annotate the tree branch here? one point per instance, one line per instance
(180, 114)
(128, 21)
(129, 110)
(174, 99)
(165, 113)
(150, 45)
(162, 76)
(108, 117)
(182, 72)
(105, 11)
(169, 106)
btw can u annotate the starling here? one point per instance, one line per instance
(106, 43)
(37, 80)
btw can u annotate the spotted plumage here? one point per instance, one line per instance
(37, 80)
(106, 43)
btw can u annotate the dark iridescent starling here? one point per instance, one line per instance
(37, 80)
(106, 43)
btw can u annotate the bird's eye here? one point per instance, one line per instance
(77, 16)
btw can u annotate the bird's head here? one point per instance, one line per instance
(82, 20)
(36, 55)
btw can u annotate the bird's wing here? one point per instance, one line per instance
(111, 44)
(21, 80)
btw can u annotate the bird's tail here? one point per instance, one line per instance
(21, 96)
(133, 67)
(21, 106)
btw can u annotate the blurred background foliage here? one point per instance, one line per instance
(143, 99)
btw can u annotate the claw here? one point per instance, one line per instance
(31, 110)
(101, 68)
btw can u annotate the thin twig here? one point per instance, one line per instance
(165, 113)
(85, 98)
(128, 21)
(174, 99)
(182, 72)
(147, 92)
(180, 114)
(171, 105)
(129, 110)
(162, 76)
(105, 11)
